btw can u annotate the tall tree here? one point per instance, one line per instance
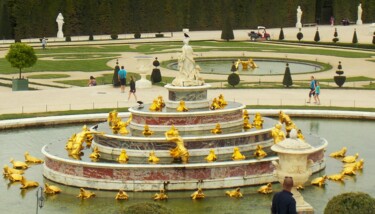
(21, 55)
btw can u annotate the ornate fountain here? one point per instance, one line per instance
(181, 141)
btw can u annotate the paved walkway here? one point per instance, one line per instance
(105, 96)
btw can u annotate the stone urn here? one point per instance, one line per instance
(293, 162)
(143, 65)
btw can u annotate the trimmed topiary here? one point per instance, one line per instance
(351, 202)
(233, 79)
(373, 39)
(317, 36)
(227, 30)
(355, 39)
(339, 80)
(137, 35)
(159, 35)
(281, 35)
(233, 68)
(156, 62)
(114, 36)
(91, 37)
(299, 35)
(287, 80)
(155, 75)
(143, 208)
(68, 39)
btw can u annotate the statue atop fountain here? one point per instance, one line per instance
(189, 73)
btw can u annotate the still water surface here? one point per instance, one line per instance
(354, 134)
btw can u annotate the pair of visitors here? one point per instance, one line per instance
(314, 91)
(92, 81)
(122, 77)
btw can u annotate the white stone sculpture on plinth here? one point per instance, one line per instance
(143, 66)
(299, 16)
(359, 19)
(293, 162)
(60, 22)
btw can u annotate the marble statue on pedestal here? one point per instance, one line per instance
(189, 73)
(60, 22)
(359, 19)
(299, 16)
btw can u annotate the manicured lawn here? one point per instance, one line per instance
(47, 76)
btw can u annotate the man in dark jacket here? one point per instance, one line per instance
(283, 202)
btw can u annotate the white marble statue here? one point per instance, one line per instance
(188, 72)
(299, 16)
(359, 19)
(60, 22)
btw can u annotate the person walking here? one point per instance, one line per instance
(122, 77)
(132, 88)
(44, 43)
(283, 202)
(312, 89)
(317, 92)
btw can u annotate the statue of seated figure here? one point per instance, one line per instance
(181, 107)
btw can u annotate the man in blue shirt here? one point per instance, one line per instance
(283, 202)
(122, 78)
(312, 89)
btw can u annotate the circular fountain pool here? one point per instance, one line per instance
(265, 66)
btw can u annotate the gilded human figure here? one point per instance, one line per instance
(299, 16)
(359, 19)
(60, 22)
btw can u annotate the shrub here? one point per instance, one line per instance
(287, 80)
(281, 35)
(114, 36)
(155, 75)
(335, 40)
(156, 62)
(137, 35)
(91, 37)
(355, 39)
(317, 36)
(146, 207)
(159, 35)
(21, 55)
(359, 203)
(233, 79)
(68, 39)
(339, 80)
(299, 35)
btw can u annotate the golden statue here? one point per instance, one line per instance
(252, 64)
(79, 139)
(277, 134)
(211, 156)
(237, 154)
(357, 165)
(95, 154)
(340, 153)
(259, 152)
(31, 159)
(350, 159)
(89, 137)
(215, 104)
(234, 193)
(247, 124)
(180, 152)
(161, 102)
(154, 106)
(289, 124)
(238, 62)
(336, 177)
(147, 131)
(217, 129)
(319, 181)
(221, 101)
(8, 171)
(265, 189)
(49, 189)
(18, 164)
(349, 170)
(27, 184)
(85, 194)
(258, 121)
(112, 116)
(123, 125)
(69, 144)
(15, 177)
(198, 194)
(300, 135)
(121, 195)
(152, 158)
(123, 158)
(161, 195)
(245, 115)
(181, 107)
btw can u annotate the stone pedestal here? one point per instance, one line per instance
(60, 34)
(298, 25)
(359, 22)
(194, 96)
(143, 65)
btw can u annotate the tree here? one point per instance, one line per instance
(281, 35)
(351, 202)
(21, 55)
(227, 30)
(299, 35)
(355, 39)
(287, 81)
(317, 36)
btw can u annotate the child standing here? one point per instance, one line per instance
(317, 92)
(132, 88)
